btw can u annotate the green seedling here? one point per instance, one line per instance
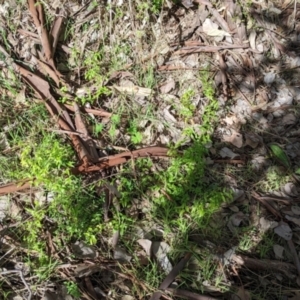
(72, 289)
(188, 108)
(115, 121)
(274, 179)
(135, 136)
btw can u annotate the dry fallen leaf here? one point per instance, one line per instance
(289, 119)
(167, 86)
(82, 250)
(235, 138)
(295, 210)
(237, 218)
(284, 231)
(252, 38)
(265, 224)
(232, 120)
(168, 116)
(290, 189)
(226, 152)
(127, 297)
(146, 245)
(121, 255)
(235, 221)
(211, 29)
(295, 220)
(269, 78)
(252, 140)
(278, 250)
(187, 3)
(160, 250)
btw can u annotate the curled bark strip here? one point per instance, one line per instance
(42, 88)
(37, 12)
(114, 160)
(86, 139)
(15, 186)
(47, 70)
(55, 32)
(171, 276)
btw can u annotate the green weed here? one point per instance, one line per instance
(72, 289)
(265, 247)
(46, 159)
(147, 77)
(114, 123)
(187, 108)
(135, 136)
(209, 116)
(274, 178)
(144, 7)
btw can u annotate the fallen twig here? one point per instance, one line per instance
(223, 68)
(197, 49)
(229, 161)
(266, 204)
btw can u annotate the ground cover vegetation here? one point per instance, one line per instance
(149, 150)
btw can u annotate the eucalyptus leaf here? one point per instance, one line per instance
(280, 155)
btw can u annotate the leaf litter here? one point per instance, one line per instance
(253, 55)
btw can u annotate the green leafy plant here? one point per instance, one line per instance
(115, 121)
(188, 193)
(72, 289)
(209, 115)
(274, 179)
(46, 159)
(135, 135)
(187, 108)
(156, 6)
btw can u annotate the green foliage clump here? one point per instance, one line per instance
(190, 195)
(183, 199)
(184, 181)
(156, 6)
(209, 116)
(73, 289)
(188, 108)
(46, 159)
(135, 136)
